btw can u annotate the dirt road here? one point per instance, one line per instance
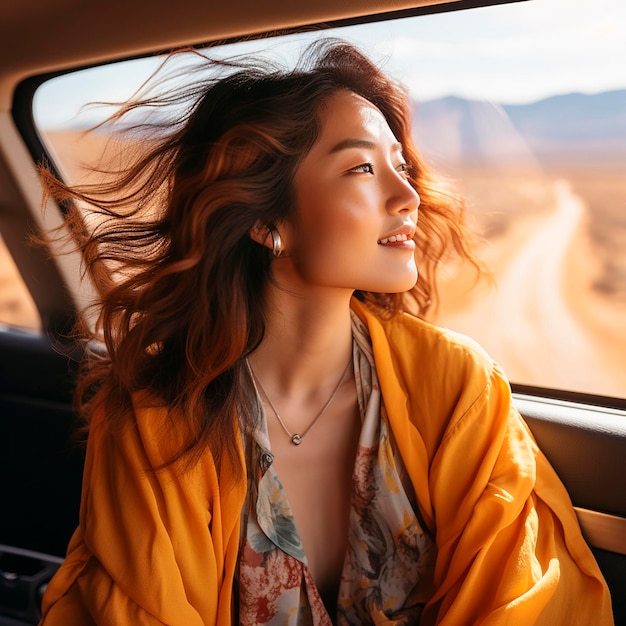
(526, 322)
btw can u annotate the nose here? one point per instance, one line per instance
(402, 196)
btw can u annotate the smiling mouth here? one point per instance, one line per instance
(393, 239)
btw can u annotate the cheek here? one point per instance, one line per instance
(332, 227)
(333, 210)
(336, 226)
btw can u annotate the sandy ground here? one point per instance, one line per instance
(542, 319)
(16, 306)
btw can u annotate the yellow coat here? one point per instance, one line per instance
(161, 547)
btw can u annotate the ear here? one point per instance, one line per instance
(261, 234)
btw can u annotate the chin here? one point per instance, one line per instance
(399, 285)
(407, 283)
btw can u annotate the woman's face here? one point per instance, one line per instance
(355, 210)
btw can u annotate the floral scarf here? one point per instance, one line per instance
(388, 568)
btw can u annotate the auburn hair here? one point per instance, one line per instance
(181, 284)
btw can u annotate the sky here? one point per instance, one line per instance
(510, 54)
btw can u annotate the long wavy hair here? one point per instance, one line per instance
(181, 283)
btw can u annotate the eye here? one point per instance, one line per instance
(366, 168)
(404, 169)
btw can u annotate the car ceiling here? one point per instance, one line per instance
(37, 37)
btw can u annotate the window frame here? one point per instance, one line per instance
(22, 115)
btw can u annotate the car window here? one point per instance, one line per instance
(17, 308)
(523, 107)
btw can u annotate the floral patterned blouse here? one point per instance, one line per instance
(388, 568)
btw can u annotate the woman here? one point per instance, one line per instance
(273, 438)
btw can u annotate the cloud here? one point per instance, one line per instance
(510, 53)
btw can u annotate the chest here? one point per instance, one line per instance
(317, 479)
(327, 537)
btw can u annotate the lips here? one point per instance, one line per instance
(393, 239)
(405, 233)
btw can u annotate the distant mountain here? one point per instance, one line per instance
(564, 129)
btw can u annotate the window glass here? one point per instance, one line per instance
(523, 107)
(17, 308)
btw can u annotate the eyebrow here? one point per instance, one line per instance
(346, 144)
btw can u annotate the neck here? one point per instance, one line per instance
(308, 340)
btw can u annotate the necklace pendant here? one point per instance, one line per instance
(297, 439)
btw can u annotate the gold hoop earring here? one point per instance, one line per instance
(277, 242)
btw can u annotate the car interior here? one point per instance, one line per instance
(582, 430)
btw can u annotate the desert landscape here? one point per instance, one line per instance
(552, 228)
(16, 306)
(554, 314)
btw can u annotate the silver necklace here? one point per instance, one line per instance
(296, 438)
